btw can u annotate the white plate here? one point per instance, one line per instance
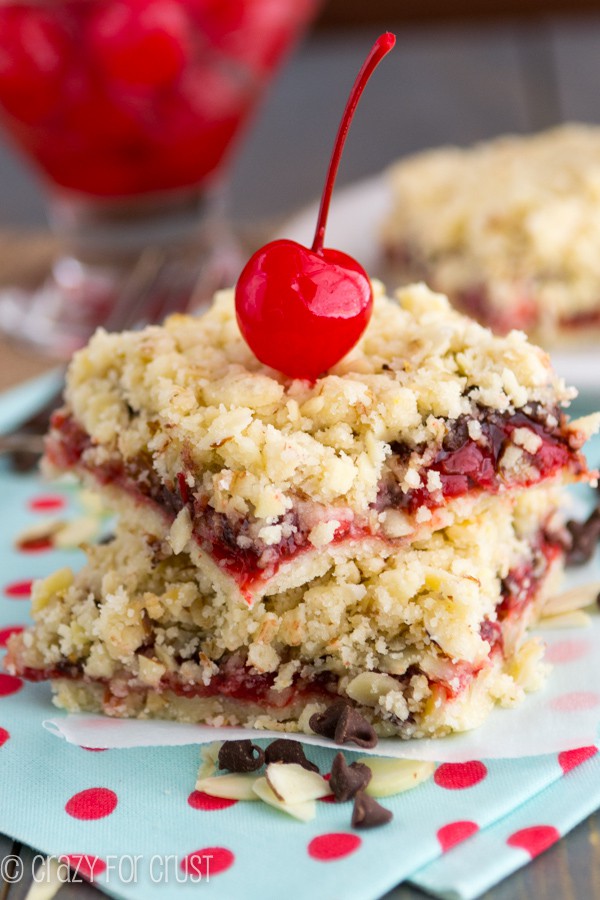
(354, 221)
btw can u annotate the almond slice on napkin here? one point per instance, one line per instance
(304, 811)
(392, 776)
(233, 786)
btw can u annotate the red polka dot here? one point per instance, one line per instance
(47, 502)
(36, 545)
(200, 800)
(567, 651)
(18, 589)
(576, 701)
(84, 865)
(9, 684)
(207, 862)
(93, 803)
(570, 759)
(534, 840)
(458, 776)
(452, 834)
(4, 736)
(5, 633)
(327, 847)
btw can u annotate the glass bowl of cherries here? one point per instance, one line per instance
(130, 110)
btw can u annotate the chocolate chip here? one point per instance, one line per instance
(288, 751)
(325, 723)
(347, 780)
(344, 725)
(457, 435)
(368, 813)
(584, 538)
(240, 756)
(353, 728)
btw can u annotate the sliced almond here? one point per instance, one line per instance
(150, 671)
(233, 786)
(585, 426)
(51, 586)
(303, 811)
(39, 531)
(93, 503)
(77, 532)
(576, 598)
(292, 784)
(392, 776)
(181, 530)
(575, 619)
(209, 755)
(369, 687)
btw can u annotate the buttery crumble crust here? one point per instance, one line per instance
(516, 217)
(192, 395)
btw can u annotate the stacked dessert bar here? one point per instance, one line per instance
(384, 534)
(509, 229)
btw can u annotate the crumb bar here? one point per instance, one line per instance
(423, 642)
(509, 229)
(384, 534)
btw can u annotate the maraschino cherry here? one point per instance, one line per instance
(299, 309)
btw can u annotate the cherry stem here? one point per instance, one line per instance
(380, 48)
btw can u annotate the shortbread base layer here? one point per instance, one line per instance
(423, 642)
(440, 717)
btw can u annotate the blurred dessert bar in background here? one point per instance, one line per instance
(508, 229)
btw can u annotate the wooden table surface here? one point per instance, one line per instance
(455, 83)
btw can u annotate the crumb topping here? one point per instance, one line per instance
(192, 398)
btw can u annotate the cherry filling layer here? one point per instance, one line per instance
(523, 312)
(585, 319)
(462, 466)
(238, 681)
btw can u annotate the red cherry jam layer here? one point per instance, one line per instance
(474, 301)
(522, 313)
(235, 681)
(588, 319)
(520, 588)
(464, 467)
(116, 98)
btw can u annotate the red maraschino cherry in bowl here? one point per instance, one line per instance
(131, 111)
(302, 309)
